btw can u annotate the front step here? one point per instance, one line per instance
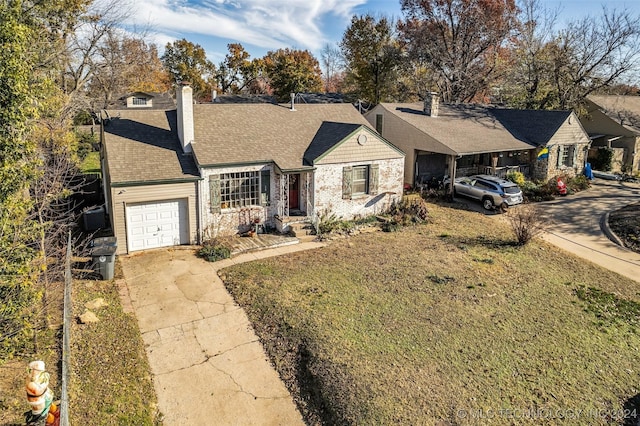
(300, 229)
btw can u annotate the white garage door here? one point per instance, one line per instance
(157, 224)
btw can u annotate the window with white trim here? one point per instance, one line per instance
(139, 101)
(360, 180)
(240, 189)
(566, 154)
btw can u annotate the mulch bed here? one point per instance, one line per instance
(625, 223)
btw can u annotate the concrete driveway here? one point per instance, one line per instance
(576, 220)
(208, 366)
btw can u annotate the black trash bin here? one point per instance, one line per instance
(103, 256)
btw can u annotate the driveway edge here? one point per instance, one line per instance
(604, 226)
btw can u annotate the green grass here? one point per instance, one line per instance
(421, 325)
(111, 381)
(91, 163)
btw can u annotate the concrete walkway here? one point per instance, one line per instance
(576, 222)
(208, 365)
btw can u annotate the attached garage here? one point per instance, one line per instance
(157, 224)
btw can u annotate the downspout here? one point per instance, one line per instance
(199, 204)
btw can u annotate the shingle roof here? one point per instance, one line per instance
(142, 146)
(249, 133)
(329, 135)
(471, 129)
(160, 101)
(622, 109)
(535, 127)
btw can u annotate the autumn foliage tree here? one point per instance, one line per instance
(292, 71)
(372, 58)
(186, 61)
(235, 72)
(458, 42)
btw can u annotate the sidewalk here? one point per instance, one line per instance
(208, 365)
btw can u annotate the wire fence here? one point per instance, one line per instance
(66, 338)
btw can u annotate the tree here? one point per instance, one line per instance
(124, 64)
(528, 64)
(372, 58)
(457, 41)
(292, 71)
(17, 159)
(34, 115)
(593, 53)
(558, 69)
(332, 75)
(186, 61)
(234, 73)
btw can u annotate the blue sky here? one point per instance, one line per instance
(263, 25)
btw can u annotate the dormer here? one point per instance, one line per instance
(139, 100)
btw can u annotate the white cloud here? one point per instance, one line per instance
(269, 24)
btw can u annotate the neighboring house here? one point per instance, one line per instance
(614, 122)
(466, 139)
(145, 100)
(173, 177)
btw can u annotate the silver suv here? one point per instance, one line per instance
(491, 190)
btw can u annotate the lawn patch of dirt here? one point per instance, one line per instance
(625, 223)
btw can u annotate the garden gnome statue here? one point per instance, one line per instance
(39, 396)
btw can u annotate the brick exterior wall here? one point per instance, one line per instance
(328, 194)
(548, 168)
(234, 220)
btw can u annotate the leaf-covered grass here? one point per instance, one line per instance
(444, 321)
(111, 381)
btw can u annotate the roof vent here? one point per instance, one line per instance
(293, 101)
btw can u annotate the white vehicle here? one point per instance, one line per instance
(492, 191)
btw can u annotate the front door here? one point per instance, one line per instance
(294, 192)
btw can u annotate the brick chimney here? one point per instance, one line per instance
(184, 101)
(432, 104)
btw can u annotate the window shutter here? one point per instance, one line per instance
(374, 177)
(560, 151)
(575, 155)
(347, 178)
(214, 193)
(265, 187)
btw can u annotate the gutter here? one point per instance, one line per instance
(155, 182)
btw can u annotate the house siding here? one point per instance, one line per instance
(231, 221)
(570, 133)
(596, 122)
(406, 137)
(350, 150)
(122, 196)
(328, 197)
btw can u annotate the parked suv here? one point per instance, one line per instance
(492, 191)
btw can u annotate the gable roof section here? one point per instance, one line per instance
(227, 134)
(624, 110)
(332, 135)
(535, 127)
(464, 129)
(473, 129)
(142, 146)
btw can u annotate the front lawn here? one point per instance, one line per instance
(446, 321)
